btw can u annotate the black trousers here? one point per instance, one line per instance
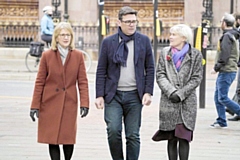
(46, 38)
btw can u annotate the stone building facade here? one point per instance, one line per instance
(87, 10)
(19, 19)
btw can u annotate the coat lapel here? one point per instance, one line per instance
(186, 59)
(136, 48)
(60, 65)
(67, 58)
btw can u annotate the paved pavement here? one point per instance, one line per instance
(18, 133)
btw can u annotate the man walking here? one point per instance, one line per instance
(124, 83)
(226, 64)
(236, 96)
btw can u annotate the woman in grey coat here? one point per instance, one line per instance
(179, 73)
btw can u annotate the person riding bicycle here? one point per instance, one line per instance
(47, 25)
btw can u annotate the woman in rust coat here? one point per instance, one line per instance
(60, 77)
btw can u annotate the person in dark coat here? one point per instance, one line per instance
(179, 72)
(236, 96)
(226, 65)
(55, 96)
(124, 83)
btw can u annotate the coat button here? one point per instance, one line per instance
(57, 89)
(63, 89)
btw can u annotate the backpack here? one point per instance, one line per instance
(237, 45)
(36, 49)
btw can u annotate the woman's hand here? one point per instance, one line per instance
(33, 112)
(174, 98)
(84, 111)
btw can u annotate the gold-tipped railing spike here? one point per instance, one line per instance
(29, 23)
(22, 23)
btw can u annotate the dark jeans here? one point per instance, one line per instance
(236, 96)
(223, 83)
(127, 107)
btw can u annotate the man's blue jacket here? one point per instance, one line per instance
(108, 72)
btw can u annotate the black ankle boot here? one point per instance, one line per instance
(229, 111)
(235, 118)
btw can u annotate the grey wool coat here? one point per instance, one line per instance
(184, 83)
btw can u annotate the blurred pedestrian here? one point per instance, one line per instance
(47, 25)
(236, 96)
(179, 72)
(124, 83)
(55, 97)
(226, 61)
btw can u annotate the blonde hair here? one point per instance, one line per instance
(57, 30)
(183, 30)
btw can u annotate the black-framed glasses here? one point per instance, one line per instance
(129, 22)
(65, 35)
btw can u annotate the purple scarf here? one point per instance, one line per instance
(178, 56)
(121, 54)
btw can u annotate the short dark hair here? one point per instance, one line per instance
(126, 10)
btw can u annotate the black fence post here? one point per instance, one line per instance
(231, 6)
(202, 88)
(66, 15)
(155, 17)
(206, 26)
(100, 36)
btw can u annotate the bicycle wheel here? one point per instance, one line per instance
(87, 60)
(32, 63)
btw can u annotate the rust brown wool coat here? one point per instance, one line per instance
(55, 95)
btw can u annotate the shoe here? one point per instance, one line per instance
(217, 125)
(229, 111)
(235, 118)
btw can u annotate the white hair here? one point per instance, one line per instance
(47, 8)
(229, 19)
(183, 30)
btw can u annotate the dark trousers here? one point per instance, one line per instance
(236, 96)
(47, 39)
(125, 107)
(54, 151)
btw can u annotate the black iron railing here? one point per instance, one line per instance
(86, 35)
